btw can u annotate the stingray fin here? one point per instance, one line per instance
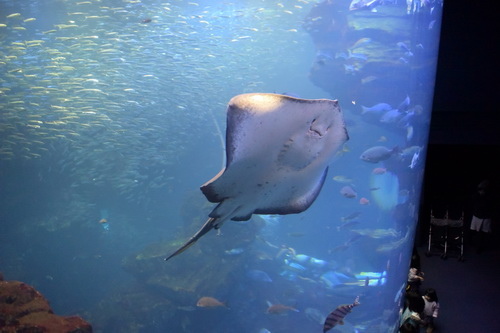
(209, 225)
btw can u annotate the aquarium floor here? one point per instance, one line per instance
(468, 291)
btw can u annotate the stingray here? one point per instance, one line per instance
(278, 149)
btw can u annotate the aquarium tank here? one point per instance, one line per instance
(113, 114)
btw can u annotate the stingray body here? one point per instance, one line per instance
(278, 149)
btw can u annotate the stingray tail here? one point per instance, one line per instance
(209, 225)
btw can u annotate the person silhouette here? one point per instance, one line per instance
(482, 214)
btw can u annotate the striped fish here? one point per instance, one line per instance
(337, 315)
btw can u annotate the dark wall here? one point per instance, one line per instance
(464, 140)
(452, 174)
(465, 108)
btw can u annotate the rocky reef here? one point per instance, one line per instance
(164, 294)
(185, 279)
(24, 309)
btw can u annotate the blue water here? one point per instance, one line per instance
(113, 115)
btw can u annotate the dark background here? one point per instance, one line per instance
(467, 81)
(464, 140)
(464, 148)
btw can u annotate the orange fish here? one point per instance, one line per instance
(279, 308)
(379, 171)
(210, 302)
(103, 221)
(364, 201)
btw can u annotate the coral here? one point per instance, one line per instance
(24, 309)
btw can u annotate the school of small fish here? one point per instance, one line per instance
(110, 96)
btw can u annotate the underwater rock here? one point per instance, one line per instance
(24, 309)
(357, 51)
(204, 270)
(133, 308)
(181, 279)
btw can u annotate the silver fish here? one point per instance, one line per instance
(377, 154)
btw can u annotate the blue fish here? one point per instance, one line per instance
(258, 275)
(403, 46)
(375, 111)
(403, 106)
(407, 119)
(293, 266)
(332, 279)
(392, 116)
(364, 5)
(358, 56)
(317, 263)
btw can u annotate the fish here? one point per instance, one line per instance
(301, 258)
(332, 278)
(360, 42)
(293, 266)
(279, 308)
(403, 106)
(348, 192)
(376, 233)
(210, 302)
(392, 116)
(235, 251)
(364, 5)
(379, 171)
(258, 275)
(359, 56)
(378, 153)
(414, 160)
(364, 201)
(350, 217)
(409, 117)
(368, 79)
(390, 246)
(347, 225)
(272, 169)
(376, 111)
(337, 316)
(410, 151)
(403, 46)
(13, 15)
(342, 179)
(286, 251)
(317, 263)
